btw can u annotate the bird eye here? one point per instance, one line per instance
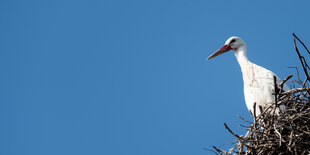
(232, 41)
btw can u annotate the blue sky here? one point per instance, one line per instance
(130, 77)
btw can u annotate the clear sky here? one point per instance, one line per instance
(87, 77)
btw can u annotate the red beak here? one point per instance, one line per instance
(220, 51)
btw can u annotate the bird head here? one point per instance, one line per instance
(233, 43)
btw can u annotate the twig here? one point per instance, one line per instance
(296, 71)
(244, 119)
(232, 132)
(255, 118)
(292, 91)
(211, 150)
(282, 83)
(280, 141)
(301, 60)
(219, 150)
(301, 43)
(276, 90)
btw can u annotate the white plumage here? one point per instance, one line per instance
(258, 81)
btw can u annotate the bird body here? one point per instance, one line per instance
(258, 81)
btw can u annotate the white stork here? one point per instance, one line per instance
(258, 81)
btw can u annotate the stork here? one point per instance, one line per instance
(258, 81)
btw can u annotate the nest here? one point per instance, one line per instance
(286, 132)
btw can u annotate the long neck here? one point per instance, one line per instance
(240, 54)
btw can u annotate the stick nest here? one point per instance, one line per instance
(287, 132)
